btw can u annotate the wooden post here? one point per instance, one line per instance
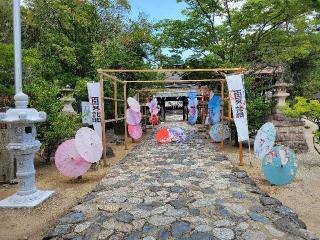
(103, 122)
(125, 109)
(241, 163)
(222, 114)
(115, 95)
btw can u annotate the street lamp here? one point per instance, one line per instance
(21, 124)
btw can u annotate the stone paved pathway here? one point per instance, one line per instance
(182, 191)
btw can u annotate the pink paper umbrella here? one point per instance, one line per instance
(132, 117)
(135, 131)
(133, 104)
(69, 162)
(88, 144)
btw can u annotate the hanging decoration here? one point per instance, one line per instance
(264, 140)
(279, 166)
(215, 132)
(133, 104)
(132, 117)
(214, 108)
(192, 107)
(135, 131)
(154, 110)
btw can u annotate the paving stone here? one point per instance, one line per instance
(266, 201)
(134, 236)
(110, 207)
(92, 232)
(73, 217)
(178, 203)
(259, 218)
(254, 235)
(105, 234)
(242, 226)
(274, 232)
(164, 234)
(203, 202)
(81, 227)
(203, 228)
(202, 236)
(223, 233)
(125, 217)
(117, 236)
(223, 223)
(180, 228)
(194, 211)
(58, 231)
(177, 189)
(160, 220)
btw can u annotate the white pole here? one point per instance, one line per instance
(17, 45)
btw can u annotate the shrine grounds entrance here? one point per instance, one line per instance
(110, 75)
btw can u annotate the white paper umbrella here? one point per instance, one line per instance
(88, 144)
(264, 140)
(133, 104)
(68, 160)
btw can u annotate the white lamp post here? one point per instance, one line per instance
(23, 145)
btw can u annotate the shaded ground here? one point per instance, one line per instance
(34, 223)
(303, 194)
(184, 191)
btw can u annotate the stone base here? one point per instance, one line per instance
(290, 132)
(27, 201)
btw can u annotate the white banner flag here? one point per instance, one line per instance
(239, 105)
(95, 106)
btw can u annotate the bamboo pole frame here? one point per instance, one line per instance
(104, 73)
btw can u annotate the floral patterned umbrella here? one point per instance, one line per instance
(177, 135)
(68, 160)
(163, 136)
(215, 132)
(88, 144)
(133, 104)
(135, 131)
(133, 117)
(279, 166)
(264, 140)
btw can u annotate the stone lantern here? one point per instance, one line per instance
(23, 146)
(280, 94)
(21, 124)
(68, 100)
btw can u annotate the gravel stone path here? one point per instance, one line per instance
(178, 191)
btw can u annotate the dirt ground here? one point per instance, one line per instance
(303, 194)
(34, 223)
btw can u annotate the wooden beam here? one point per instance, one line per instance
(112, 78)
(175, 81)
(222, 114)
(173, 70)
(241, 163)
(113, 99)
(124, 110)
(114, 120)
(103, 122)
(115, 95)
